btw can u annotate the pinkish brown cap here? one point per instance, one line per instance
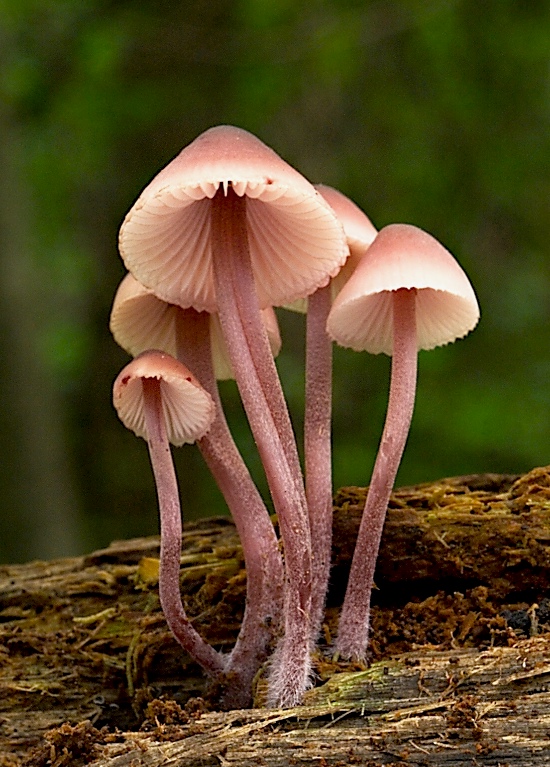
(403, 256)
(359, 232)
(188, 408)
(141, 320)
(296, 242)
(358, 228)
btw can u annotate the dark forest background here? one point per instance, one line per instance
(435, 113)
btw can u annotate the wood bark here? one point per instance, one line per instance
(460, 673)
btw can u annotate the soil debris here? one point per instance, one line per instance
(85, 654)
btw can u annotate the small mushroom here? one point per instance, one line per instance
(159, 399)
(359, 230)
(359, 233)
(141, 320)
(407, 293)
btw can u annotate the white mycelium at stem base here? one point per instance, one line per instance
(259, 386)
(407, 293)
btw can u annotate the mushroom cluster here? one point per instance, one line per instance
(223, 234)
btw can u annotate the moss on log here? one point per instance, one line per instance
(460, 673)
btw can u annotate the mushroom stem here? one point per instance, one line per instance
(353, 628)
(231, 209)
(170, 534)
(317, 448)
(263, 562)
(266, 409)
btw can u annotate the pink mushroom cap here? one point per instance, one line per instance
(188, 409)
(141, 320)
(359, 232)
(296, 242)
(358, 228)
(403, 256)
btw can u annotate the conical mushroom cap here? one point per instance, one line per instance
(358, 228)
(188, 409)
(296, 242)
(403, 256)
(359, 232)
(141, 320)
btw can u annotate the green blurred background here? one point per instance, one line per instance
(432, 113)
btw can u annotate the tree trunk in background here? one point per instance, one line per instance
(39, 494)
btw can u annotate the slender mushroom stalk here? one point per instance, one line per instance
(360, 233)
(407, 293)
(252, 361)
(353, 627)
(161, 401)
(252, 232)
(264, 569)
(318, 449)
(138, 319)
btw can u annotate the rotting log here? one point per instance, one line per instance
(89, 674)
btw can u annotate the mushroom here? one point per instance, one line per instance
(407, 293)
(140, 319)
(358, 228)
(159, 399)
(228, 226)
(359, 232)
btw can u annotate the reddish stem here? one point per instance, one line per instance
(264, 567)
(262, 397)
(353, 629)
(317, 448)
(170, 534)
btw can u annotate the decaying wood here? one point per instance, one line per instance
(89, 674)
